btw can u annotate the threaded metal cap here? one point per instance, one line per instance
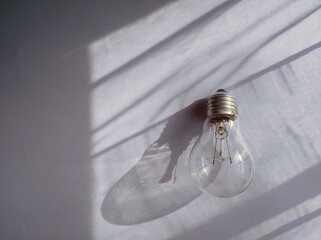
(221, 105)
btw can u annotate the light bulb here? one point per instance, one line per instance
(221, 163)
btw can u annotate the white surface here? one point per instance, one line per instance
(96, 102)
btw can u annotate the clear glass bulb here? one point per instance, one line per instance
(221, 163)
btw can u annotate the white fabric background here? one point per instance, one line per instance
(101, 102)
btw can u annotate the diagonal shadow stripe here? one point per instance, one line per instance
(275, 66)
(291, 225)
(264, 207)
(270, 39)
(208, 17)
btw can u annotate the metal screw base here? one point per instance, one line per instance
(221, 106)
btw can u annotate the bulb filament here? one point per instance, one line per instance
(221, 133)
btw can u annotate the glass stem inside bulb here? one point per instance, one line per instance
(221, 133)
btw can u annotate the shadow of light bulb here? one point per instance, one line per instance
(160, 183)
